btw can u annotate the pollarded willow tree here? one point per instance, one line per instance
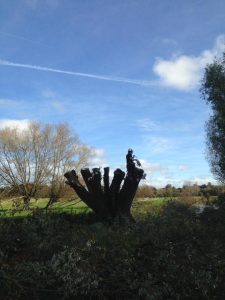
(110, 200)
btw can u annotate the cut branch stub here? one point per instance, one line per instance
(114, 191)
(111, 200)
(106, 180)
(73, 181)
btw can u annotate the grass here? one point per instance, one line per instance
(156, 200)
(7, 208)
(141, 206)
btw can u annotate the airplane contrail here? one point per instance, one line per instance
(101, 77)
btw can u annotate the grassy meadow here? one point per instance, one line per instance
(14, 207)
(9, 209)
(73, 206)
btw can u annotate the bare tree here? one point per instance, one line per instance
(67, 151)
(23, 156)
(37, 155)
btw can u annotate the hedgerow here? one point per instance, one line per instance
(172, 253)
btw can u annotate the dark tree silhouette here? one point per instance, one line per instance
(213, 91)
(111, 200)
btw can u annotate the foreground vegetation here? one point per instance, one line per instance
(169, 253)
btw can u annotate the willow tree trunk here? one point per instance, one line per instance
(110, 200)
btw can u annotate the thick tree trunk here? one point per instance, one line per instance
(26, 202)
(111, 200)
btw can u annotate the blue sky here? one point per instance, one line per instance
(141, 64)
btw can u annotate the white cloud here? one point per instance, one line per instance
(184, 72)
(162, 181)
(152, 168)
(18, 124)
(202, 180)
(98, 159)
(157, 182)
(99, 152)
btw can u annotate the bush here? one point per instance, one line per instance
(167, 254)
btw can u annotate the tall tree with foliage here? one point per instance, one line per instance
(213, 91)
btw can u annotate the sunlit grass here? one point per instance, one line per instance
(8, 209)
(140, 207)
(74, 206)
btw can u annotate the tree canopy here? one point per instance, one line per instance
(37, 155)
(213, 91)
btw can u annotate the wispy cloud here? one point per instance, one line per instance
(147, 124)
(184, 72)
(183, 168)
(166, 127)
(162, 180)
(169, 42)
(94, 76)
(19, 37)
(7, 102)
(159, 144)
(58, 106)
(152, 168)
(54, 101)
(33, 4)
(48, 93)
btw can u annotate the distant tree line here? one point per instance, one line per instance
(144, 191)
(203, 190)
(43, 191)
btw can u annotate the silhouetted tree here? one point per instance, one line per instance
(213, 91)
(111, 200)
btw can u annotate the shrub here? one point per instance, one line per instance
(167, 254)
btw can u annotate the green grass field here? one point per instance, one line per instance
(12, 208)
(9, 209)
